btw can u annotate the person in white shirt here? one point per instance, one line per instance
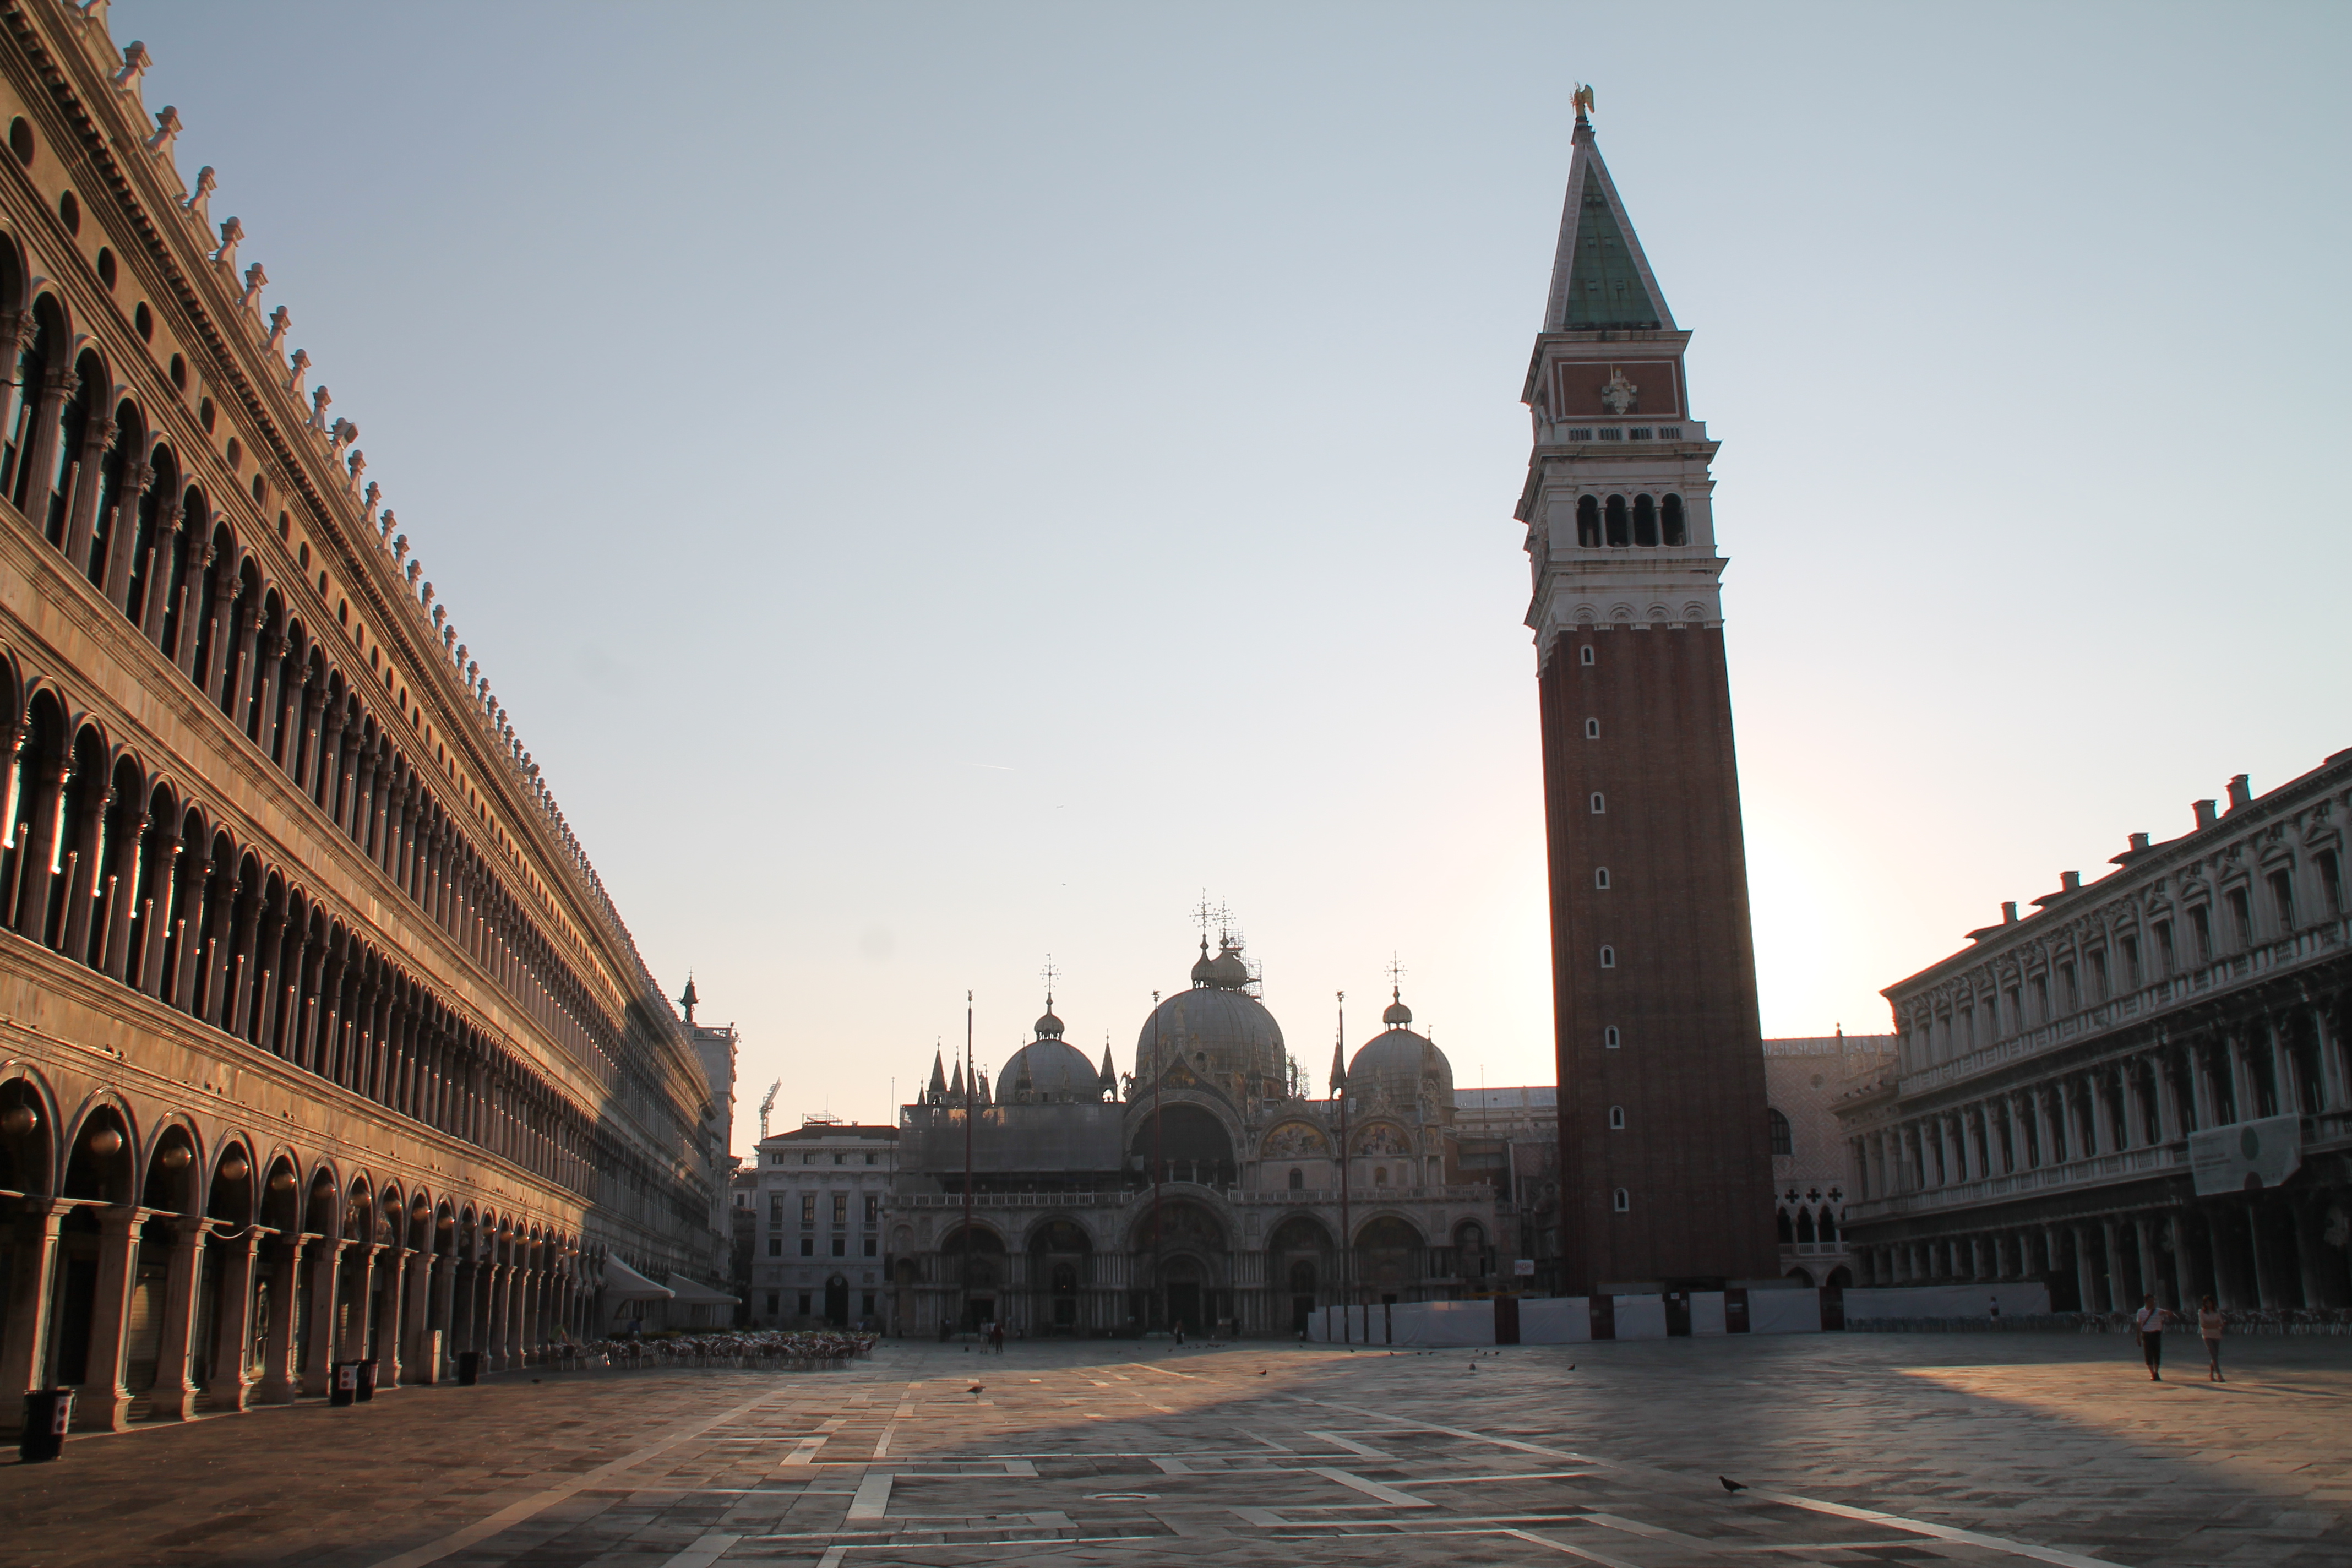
(2149, 1323)
(2209, 1324)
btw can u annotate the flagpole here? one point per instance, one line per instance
(966, 1310)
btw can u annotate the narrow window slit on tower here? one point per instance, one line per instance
(1608, 957)
(1601, 877)
(1609, 1038)
(1592, 729)
(1623, 1202)
(1584, 654)
(1599, 805)
(1616, 1118)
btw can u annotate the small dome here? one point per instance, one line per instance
(1397, 1015)
(1048, 1027)
(1206, 969)
(1053, 1068)
(1401, 1063)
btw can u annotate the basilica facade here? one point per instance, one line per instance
(1203, 1188)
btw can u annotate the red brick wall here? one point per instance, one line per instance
(1696, 1155)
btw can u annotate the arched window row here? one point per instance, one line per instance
(94, 476)
(113, 867)
(162, 1159)
(1647, 521)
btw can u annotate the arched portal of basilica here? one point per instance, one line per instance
(1203, 1188)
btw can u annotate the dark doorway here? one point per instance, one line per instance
(1678, 1314)
(836, 1301)
(1506, 1320)
(1184, 1305)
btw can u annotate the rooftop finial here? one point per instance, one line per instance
(1582, 99)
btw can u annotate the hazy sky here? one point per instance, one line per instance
(937, 485)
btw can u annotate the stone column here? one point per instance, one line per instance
(2184, 1262)
(417, 1318)
(104, 1405)
(391, 1331)
(2330, 1050)
(175, 1393)
(2265, 1251)
(81, 515)
(228, 1380)
(2227, 1286)
(517, 1305)
(115, 950)
(495, 1345)
(358, 1331)
(326, 1275)
(2118, 1295)
(2151, 1279)
(30, 1290)
(281, 1378)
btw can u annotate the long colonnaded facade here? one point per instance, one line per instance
(2140, 1089)
(1665, 1170)
(1205, 1189)
(318, 1039)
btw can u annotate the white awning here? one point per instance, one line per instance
(690, 1294)
(623, 1283)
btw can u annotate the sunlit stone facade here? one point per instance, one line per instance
(318, 1039)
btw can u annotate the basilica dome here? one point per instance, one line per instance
(1401, 1064)
(1217, 1026)
(1049, 1069)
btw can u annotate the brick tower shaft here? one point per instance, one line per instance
(1666, 1162)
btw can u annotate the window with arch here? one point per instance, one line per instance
(1783, 1140)
(1584, 654)
(1621, 1201)
(1601, 877)
(1592, 729)
(1670, 521)
(1608, 956)
(1380, 1176)
(1588, 522)
(1616, 1118)
(1297, 1180)
(1600, 806)
(1614, 521)
(1645, 521)
(1609, 1039)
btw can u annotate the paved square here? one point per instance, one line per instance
(1857, 1448)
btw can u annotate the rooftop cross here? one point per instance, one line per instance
(1049, 974)
(1396, 975)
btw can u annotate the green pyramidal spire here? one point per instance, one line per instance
(1600, 281)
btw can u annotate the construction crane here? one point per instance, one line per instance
(768, 1105)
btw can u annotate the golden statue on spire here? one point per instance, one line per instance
(1582, 99)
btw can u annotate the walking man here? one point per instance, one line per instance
(2149, 1323)
(2209, 1324)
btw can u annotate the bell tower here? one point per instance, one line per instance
(1666, 1162)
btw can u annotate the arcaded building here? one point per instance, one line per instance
(319, 1038)
(1203, 1187)
(1664, 1171)
(2140, 1087)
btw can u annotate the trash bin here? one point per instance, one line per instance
(364, 1390)
(344, 1385)
(47, 1413)
(469, 1368)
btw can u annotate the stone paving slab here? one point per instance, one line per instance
(1862, 1448)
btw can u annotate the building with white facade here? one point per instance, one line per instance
(2139, 1087)
(816, 1243)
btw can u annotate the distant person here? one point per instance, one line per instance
(996, 1337)
(1996, 1308)
(2209, 1324)
(943, 1331)
(1179, 1331)
(2149, 1323)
